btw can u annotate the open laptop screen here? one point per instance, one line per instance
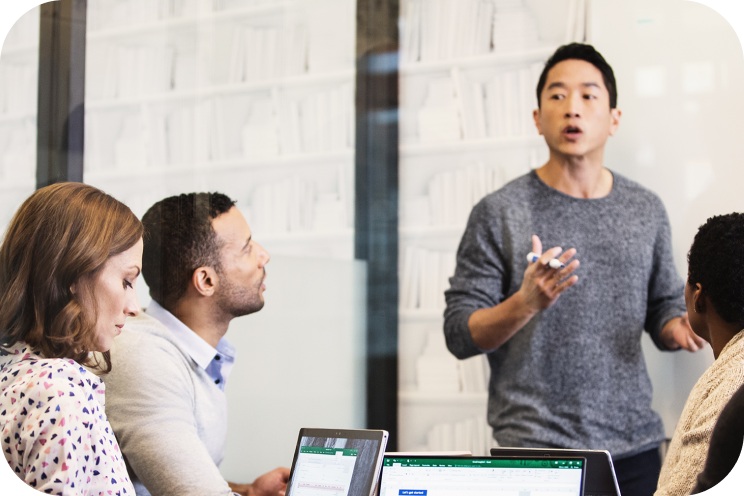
(481, 476)
(336, 462)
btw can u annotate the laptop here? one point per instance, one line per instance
(336, 462)
(600, 477)
(438, 475)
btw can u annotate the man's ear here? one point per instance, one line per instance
(204, 280)
(615, 115)
(536, 118)
(698, 299)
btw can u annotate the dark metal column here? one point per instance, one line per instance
(376, 212)
(60, 121)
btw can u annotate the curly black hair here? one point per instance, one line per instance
(716, 262)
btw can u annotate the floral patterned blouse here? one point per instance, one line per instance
(55, 435)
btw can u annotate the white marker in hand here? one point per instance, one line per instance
(553, 264)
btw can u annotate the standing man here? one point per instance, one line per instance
(165, 395)
(567, 369)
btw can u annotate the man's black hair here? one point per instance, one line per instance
(179, 238)
(716, 262)
(587, 53)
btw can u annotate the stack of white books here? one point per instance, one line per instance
(474, 374)
(153, 138)
(453, 193)
(259, 53)
(19, 153)
(318, 121)
(438, 117)
(283, 206)
(144, 69)
(296, 205)
(471, 434)
(260, 135)
(132, 143)
(445, 29)
(18, 88)
(180, 137)
(210, 139)
(437, 370)
(105, 15)
(425, 276)
(331, 213)
(134, 70)
(497, 107)
(514, 27)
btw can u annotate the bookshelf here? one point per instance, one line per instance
(252, 98)
(467, 78)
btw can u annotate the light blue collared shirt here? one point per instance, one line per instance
(216, 362)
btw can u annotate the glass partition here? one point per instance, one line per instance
(19, 62)
(468, 73)
(255, 99)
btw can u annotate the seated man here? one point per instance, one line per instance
(714, 295)
(165, 396)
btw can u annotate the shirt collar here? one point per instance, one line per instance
(199, 350)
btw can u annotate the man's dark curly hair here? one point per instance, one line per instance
(716, 262)
(179, 238)
(587, 53)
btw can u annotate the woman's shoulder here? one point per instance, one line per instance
(30, 376)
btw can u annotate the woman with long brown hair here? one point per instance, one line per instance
(68, 265)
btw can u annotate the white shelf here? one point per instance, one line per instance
(178, 96)
(408, 150)
(266, 8)
(19, 116)
(489, 60)
(152, 27)
(430, 232)
(190, 21)
(20, 51)
(309, 236)
(234, 166)
(337, 245)
(408, 315)
(421, 398)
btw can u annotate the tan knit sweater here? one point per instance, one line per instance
(689, 446)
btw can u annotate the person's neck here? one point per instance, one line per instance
(721, 332)
(201, 319)
(577, 177)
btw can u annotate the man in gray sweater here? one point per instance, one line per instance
(165, 395)
(567, 369)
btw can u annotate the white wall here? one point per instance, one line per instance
(680, 72)
(301, 362)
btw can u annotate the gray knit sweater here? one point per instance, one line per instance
(169, 417)
(574, 376)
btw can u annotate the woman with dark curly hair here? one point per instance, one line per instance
(714, 295)
(68, 265)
